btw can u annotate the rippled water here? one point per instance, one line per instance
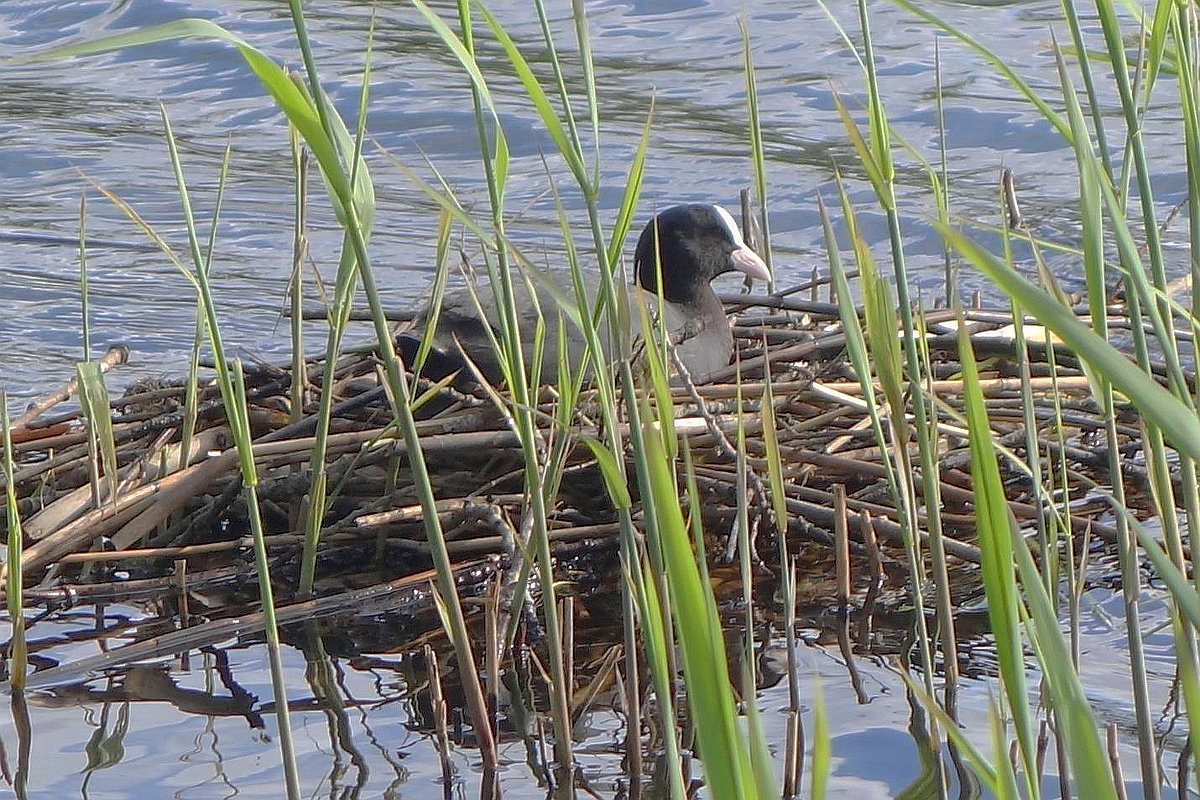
(68, 127)
(64, 126)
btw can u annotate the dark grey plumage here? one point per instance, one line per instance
(687, 245)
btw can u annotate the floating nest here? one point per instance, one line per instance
(179, 540)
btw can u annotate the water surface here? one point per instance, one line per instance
(67, 127)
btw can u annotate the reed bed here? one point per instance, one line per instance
(134, 545)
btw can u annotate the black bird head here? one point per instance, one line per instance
(689, 245)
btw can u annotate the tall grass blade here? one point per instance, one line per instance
(18, 655)
(997, 569)
(757, 157)
(299, 376)
(441, 274)
(949, 274)
(1000, 779)
(632, 193)
(1091, 214)
(93, 397)
(567, 145)
(85, 316)
(266, 592)
(822, 754)
(1003, 546)
(511, 351)
(724, 751)
(568, 112)
(925, 434)
(1157, 404)
(358, 204)
(658, 646)
(1089, 84)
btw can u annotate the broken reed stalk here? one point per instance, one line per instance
(115, 356)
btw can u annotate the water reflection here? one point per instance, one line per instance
(387, 705)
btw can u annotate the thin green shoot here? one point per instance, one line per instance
(14, 578)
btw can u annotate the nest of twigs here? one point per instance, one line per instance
(82, 544)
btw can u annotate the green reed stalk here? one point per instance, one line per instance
(610, 313)
(358, 214)
(822, 755)
(266, 592)
(884, 353)
(191, 386)
(560, 84)
(787, 575)
(757, 157)
(441, 273)
(745, 567)
(1183, 27)
(354, 198)
(299, 387)
(93, 398)
(1005, 771)
(85, 316)
(14, 577)
(658, 643)
(338, 317)
(882, 173)
(1033, 460)
(947, 636)
(996, 773)
(1089, 85)
(949, 273)
(759, 754)
(233, 394)
(856, 341)
(495, 163)
(651, 549)
(1184, 33)
(731, 766)
(1090, 178)
(1130, 106)
(641, 586)
(1002, 546)
(759, 757)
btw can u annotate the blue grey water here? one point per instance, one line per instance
(70, 129)
(67, 128)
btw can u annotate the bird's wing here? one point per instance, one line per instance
(700, 334)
